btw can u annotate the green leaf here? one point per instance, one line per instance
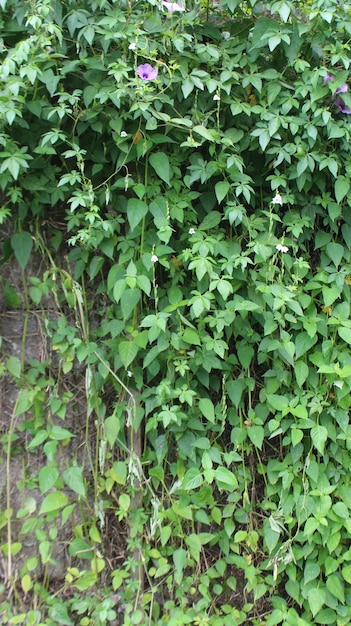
(221, 190)
(127, 351)
(211, 220)
(256, 435)
(129, 301)
(301, 372)
(111, 429)
(39, 438)
(319, 436)
(192, 479)
(303, 343)
(235, 390)
(207, 133)
(48, 475)
(179, 559)
(59, 614)
(311, 571)
(58, 433)
(271, 536)
(73, 477)
(346, 573)
(159, 161)
(245, 355)
(335, 252)
(13, 299)
(119, 472)
(14, 366)
(316, 599)
(207, 409)
(136, 211)
(165, 534)
(336, 587)
(22, 244)
(225, 478)
(330, 294)
(81, 549)
(53, 501)
(279, 403)
(345, 333)
(191, 336)
(342, 188)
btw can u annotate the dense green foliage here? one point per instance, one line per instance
(186, 177)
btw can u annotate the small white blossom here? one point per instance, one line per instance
(281, 248)
(129, 374)
(216, 97)
(226, 34)
(154, 258)
(132, 46)
(277, 199)
(123, 134)
(191, 231)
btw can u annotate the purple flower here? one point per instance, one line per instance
(146, 71)
(172, 7)
(342, 89)
(340, 104)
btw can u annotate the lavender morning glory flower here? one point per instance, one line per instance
(342, 89)
(340, 104)
(172, 7)
(146, 71)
